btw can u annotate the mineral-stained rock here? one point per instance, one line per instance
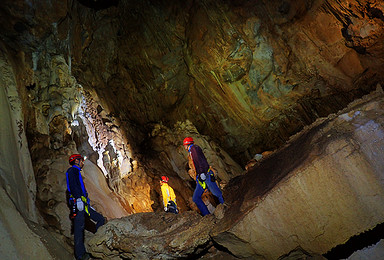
(153, 235)
(322, 188)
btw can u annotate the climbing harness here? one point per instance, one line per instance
(72, 199)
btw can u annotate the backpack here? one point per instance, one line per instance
(172, 208)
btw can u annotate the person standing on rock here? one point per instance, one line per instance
(205, 178)
(169, 197)
(79, 204)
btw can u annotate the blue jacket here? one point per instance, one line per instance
(75, 184)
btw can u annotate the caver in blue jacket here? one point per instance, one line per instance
(79, 199)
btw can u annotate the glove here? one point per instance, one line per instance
(202, 177)
(80, 204)
(165, 208)
(213, 178)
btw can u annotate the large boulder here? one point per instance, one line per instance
(153, 235)
(321, 189)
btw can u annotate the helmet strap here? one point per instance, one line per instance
(78, 162)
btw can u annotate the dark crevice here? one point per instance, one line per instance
(356, 243)
(99, 4)
(32, 86)
(222, 248)
(375, 13)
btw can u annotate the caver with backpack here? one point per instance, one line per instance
(205, 178)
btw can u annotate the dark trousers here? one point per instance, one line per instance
(171, 207)
(212, 187)
(78, 229)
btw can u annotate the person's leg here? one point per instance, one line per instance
(199, 202)
(212, 186)
(78, 224)
(97, 217)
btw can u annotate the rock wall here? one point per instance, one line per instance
(16, 173)
(23, 231)
(18, 241)
(334, 192)
(247, 74)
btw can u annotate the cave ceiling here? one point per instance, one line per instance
(249, 74)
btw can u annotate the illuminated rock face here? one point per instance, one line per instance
(247, 74)
(325, 187)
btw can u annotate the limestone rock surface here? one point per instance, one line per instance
(321, 189)
(247, 74)
(153, 236)
(24, 233)
(22, 239)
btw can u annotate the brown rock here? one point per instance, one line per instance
(153, 235)
(321, 189)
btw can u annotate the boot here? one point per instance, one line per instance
(86, 256)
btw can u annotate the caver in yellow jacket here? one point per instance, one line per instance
(168, 193)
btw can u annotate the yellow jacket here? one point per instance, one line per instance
(168, 194)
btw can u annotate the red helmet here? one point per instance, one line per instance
(164, 179)
(188, 140)
(73, 157)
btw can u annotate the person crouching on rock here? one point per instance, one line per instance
(79, 204)
(169, 197)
